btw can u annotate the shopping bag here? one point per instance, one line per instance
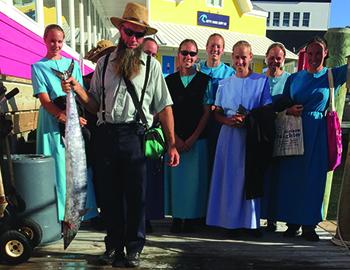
(155, 146)
(334, 135)
(289, 135)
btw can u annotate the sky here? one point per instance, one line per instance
(340, 13)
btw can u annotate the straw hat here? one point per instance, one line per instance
(137, 14)
(103, 47)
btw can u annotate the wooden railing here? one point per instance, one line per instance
(22, 109)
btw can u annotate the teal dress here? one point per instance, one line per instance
(222, 71)
(216, 74)
(186, 185)
(301, 179)
(48, 138)
(277, 85)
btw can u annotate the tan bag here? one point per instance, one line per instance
(289, 135)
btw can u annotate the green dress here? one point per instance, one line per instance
(48, 138)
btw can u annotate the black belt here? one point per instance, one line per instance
(122, 126)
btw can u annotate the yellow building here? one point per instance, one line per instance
(197, 19)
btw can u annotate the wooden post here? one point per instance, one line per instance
(338, 40)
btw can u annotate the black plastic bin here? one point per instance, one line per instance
(35, 182)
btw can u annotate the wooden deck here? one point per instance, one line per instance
(208, 249)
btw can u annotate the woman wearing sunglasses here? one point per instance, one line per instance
(186, 187)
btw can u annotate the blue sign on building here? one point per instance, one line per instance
(213, 20)
(168, 65)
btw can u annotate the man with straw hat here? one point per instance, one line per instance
(103, 47)
(120, 160)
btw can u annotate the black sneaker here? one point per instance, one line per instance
(149, 228)
(176, 226)
(291, 232)
(119, 260)
(271, 226)
(310, 236)
(133, 260)
(257, 233)
(107, 257)
(189, 226)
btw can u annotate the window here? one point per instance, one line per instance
(296, 19)
(268, 19)
(276, 19)
(27, 7)
(306, 19)
(214, 3)
(286, 17)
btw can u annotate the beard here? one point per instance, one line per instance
(127, 61)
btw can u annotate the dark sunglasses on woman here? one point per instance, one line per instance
(185, 53)
(131, 33)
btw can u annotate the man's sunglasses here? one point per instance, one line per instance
(131, 33)
(185, 53)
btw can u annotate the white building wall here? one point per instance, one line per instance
(319, 14)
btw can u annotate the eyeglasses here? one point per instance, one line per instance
(131, 33)
(185, 53)
(150, 53)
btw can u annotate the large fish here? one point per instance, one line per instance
(76, 169)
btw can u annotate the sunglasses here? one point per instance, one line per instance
(131, 33)
(185, 53)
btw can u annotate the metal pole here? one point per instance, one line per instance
(39, 9)
(94, 36)
(82, 27)
(72, 23)
(58, 4)
(88, 25)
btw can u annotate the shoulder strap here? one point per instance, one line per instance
(148, 63)
(331, 105)
(131, 90)
(105, 63)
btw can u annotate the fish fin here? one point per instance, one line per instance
(70, 68)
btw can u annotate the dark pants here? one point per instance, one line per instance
(121, 176)
(154, 190)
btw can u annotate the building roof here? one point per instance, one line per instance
(171, 35)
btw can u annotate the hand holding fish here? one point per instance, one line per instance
(61, 117)
(70, 84)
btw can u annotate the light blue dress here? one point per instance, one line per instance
(228, 207)
(301, 179)
(48, 138)
(186, 185)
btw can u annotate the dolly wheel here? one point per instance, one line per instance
(30, 229)
(14, 247)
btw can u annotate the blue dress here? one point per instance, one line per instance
(48, 138)
(301, 179)
(228, 207)
(268, 200)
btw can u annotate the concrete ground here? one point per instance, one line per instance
(209, 248)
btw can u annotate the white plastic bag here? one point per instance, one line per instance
(289, 135)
